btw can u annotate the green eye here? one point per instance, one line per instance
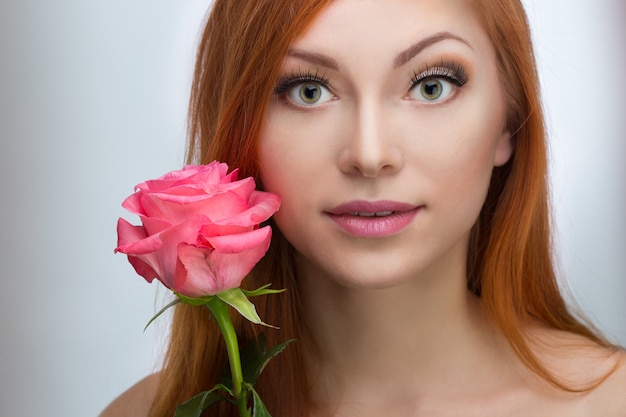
(308, 94)
(431, 90)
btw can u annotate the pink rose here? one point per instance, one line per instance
(200, 230)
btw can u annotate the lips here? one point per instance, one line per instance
(371, 208)
(373, 219)
(374, 214)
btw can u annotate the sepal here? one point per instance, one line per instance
(172, 304)
(197, 301)
(264, 290)
(238, 300)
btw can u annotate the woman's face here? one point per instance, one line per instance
(381, 137)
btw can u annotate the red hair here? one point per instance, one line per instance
(238, 62)
(509, 261)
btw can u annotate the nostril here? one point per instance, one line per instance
(371, 163)
(368, 148)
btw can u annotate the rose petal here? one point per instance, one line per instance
(166, 256)
(217, 229)
(195, 275)
(214, 207)
(201, 271)
(133, 203)
(206, 175)
(154, 225)
(200, 230)
(134, 239)
(235, 255)
(190, 174)
(263, 207)
(242, 241)
(142, 268)
(243, 188)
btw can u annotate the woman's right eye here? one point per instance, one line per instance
(308, 94)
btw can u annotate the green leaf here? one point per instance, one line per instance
(199, 301)
(261, 291)
(237, 300)
(172, 304)
(254, 358)
(196, 405)
(260, 362)
(258, 408)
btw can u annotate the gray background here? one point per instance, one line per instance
(93, 98)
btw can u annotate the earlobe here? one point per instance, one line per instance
(504, 149)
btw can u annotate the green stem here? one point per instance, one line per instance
(220, 312)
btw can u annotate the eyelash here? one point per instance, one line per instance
(286, 83)
(449, 70)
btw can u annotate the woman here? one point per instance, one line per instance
(406, 141)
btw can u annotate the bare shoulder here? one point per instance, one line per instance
(609, 398)
(136, 401)
(596, 374)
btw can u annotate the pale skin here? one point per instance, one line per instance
(399, 334)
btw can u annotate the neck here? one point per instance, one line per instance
(419, 335)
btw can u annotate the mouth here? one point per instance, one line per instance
(361, 208)
(376, 219)
(373, 214)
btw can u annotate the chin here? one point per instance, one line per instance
(363, 276)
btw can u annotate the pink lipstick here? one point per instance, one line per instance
(373, 219)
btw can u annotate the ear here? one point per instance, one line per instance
(504, 149)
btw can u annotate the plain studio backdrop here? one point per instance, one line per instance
(93, 98)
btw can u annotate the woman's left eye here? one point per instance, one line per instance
(435, 84)
(431, 90)
(308, 94)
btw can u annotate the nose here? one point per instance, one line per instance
(370, 151)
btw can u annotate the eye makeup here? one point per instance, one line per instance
(287, 82)
(448, 70)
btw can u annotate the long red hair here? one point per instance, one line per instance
(509, 261)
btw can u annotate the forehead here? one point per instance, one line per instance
(391, 24)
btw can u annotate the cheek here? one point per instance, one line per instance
(459, 156)
(287, 164)
(276, 178)
(479, 133)
(275, 151)
(297, 149)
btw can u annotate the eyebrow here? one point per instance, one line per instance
(314, 58)
(401, 59)
(415, 49)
